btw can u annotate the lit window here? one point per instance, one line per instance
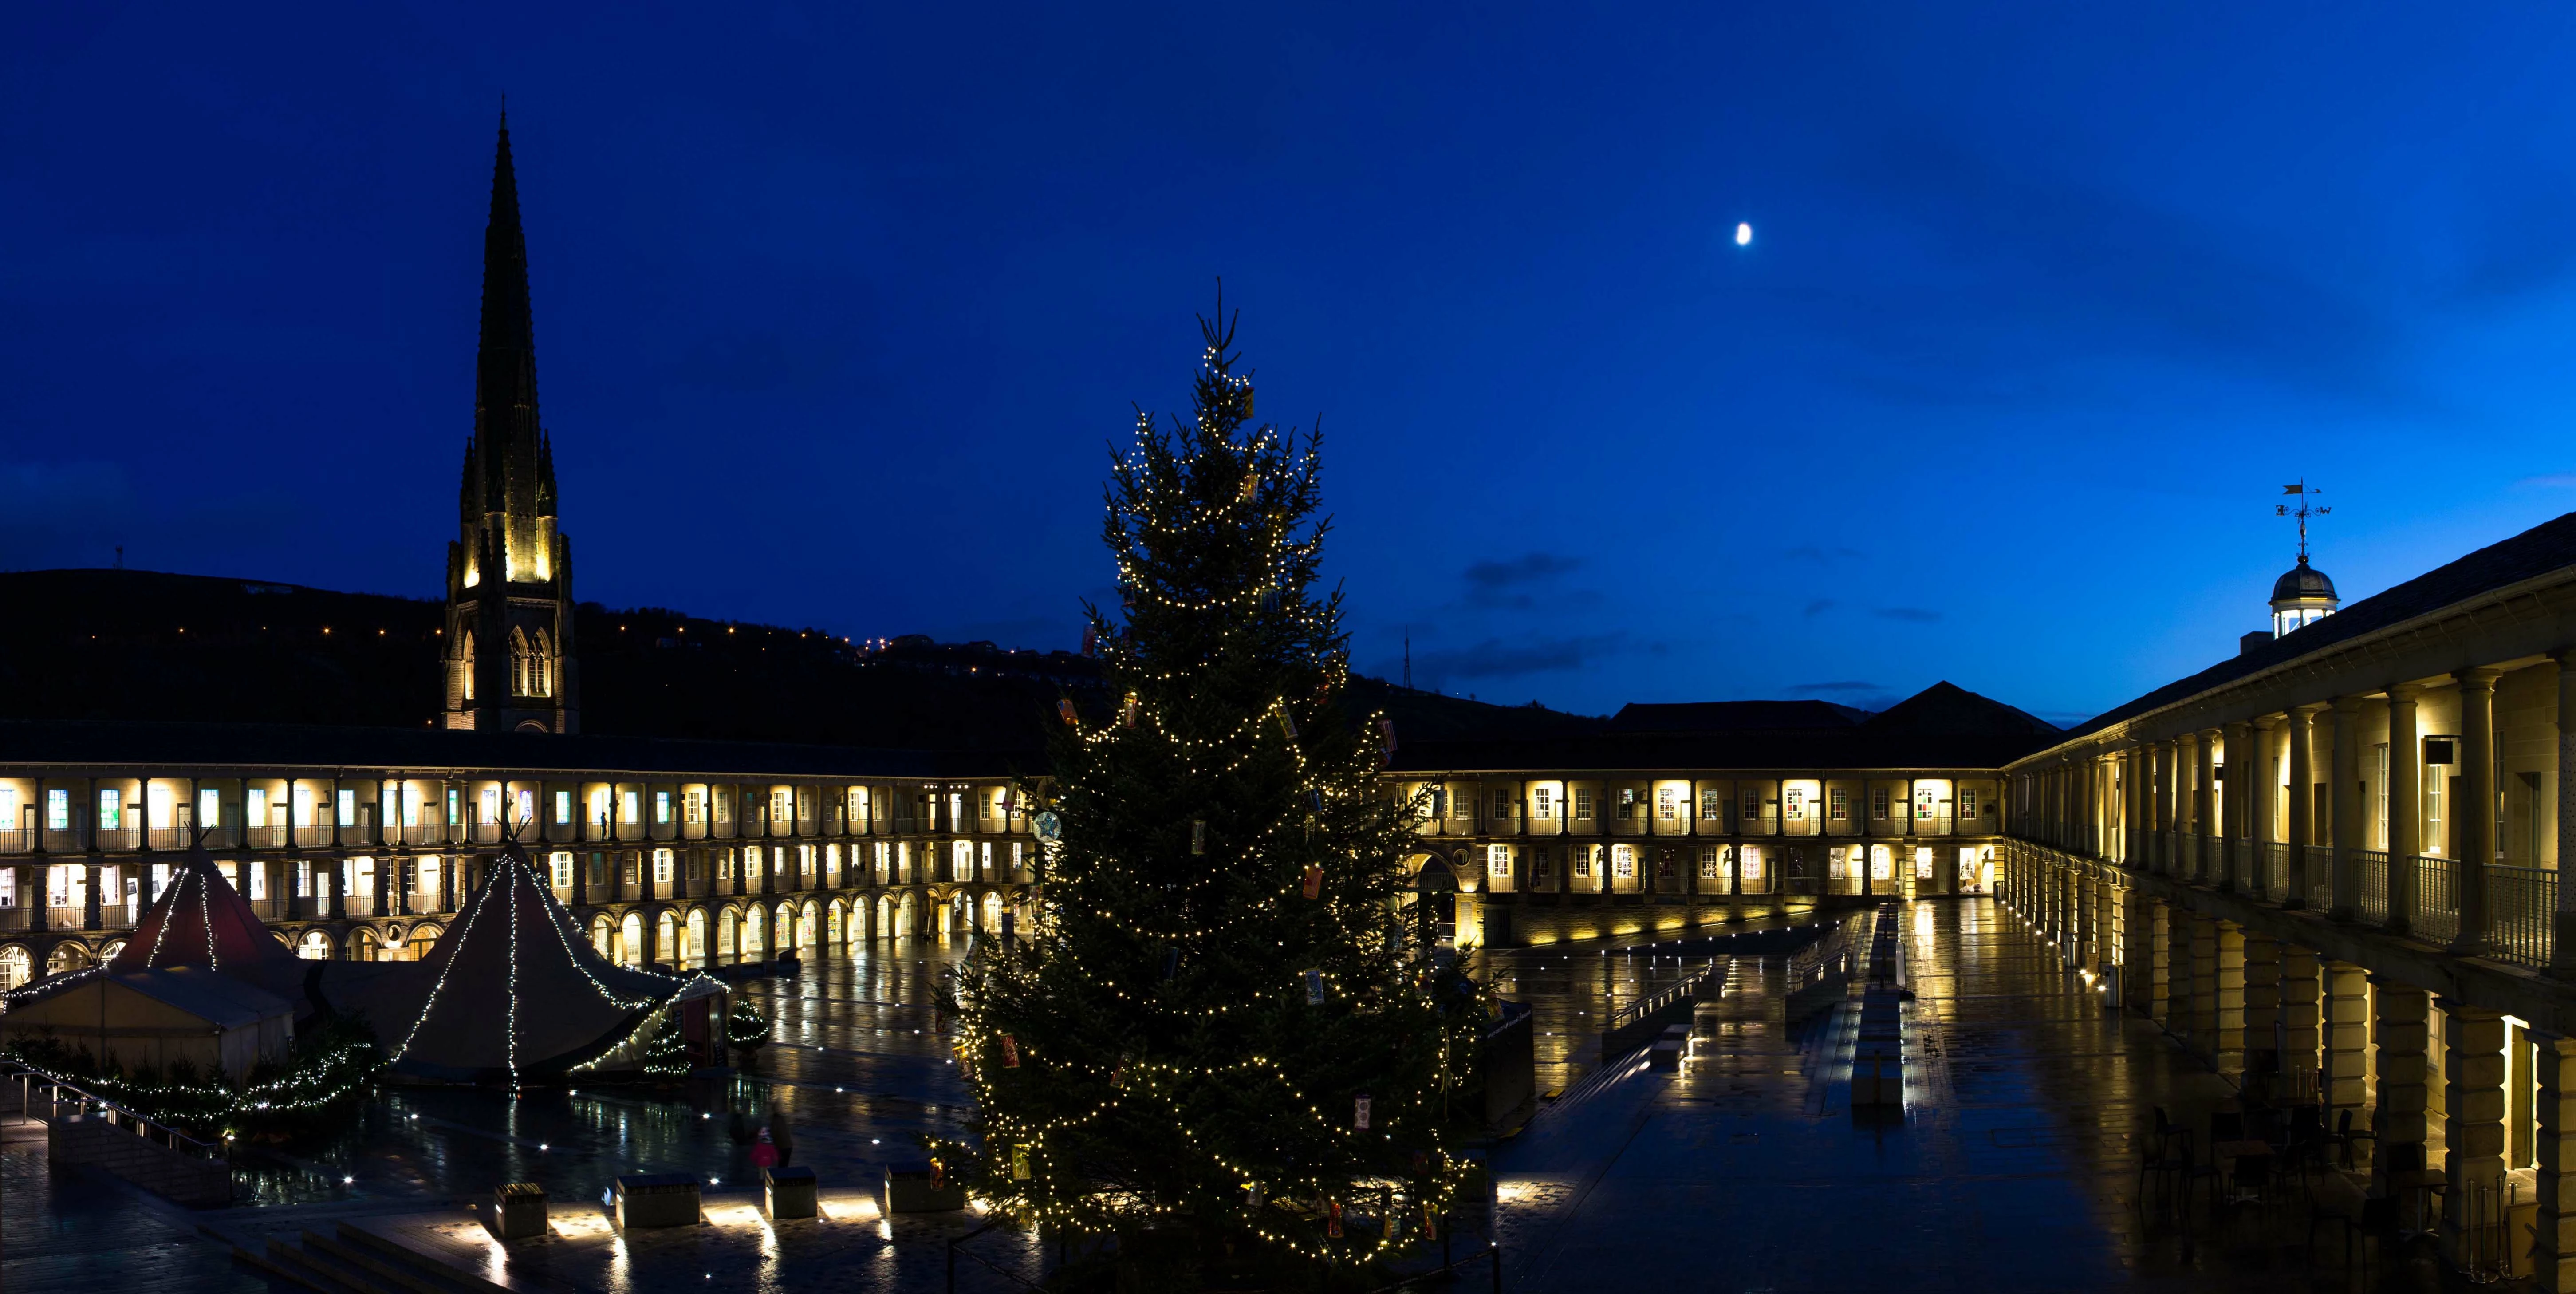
(661, 867)
(111, 809)
(348, 808)
(561, 863)
(425, 876)
(1667, 804)
(1878, 803)
(58, 810)
(526, 804)
(1967, 804)
(1583, 860)
(1795, 803)
(1708, 862)
(1752, 807)
(209, 808)
(1541, 803)
(1623, 859)
(1749, 857)
(626, 811)
(254, 806)
(1498, 860)
(1503, 804)
(661, 806)
(1838, 804)
(1712, 804)
(303, 806)
(1582, 808)
(563, 807)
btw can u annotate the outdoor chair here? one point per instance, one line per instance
(2163, 1159)
(2344, 1135)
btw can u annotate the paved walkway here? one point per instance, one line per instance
(2013, 1166)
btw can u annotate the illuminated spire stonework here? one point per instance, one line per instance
(510, 664)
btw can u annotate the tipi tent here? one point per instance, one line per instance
(511, 991)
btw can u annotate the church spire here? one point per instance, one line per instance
(501, 458)
(510, 662)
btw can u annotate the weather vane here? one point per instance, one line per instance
(2304, 511)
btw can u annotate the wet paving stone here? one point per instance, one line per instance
(2013, 1165)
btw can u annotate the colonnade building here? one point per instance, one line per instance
(1681, 815)
(362, 843)
(2332, 863)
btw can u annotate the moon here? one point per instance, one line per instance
(1744, 235)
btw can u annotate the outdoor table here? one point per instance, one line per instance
(2423, 1182)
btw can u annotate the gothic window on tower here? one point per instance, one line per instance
(465, 657)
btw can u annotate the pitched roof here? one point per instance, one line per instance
(207, 994)
(2541, 550)
(1942, 727)
(1732, 716)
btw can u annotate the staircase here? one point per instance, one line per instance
(352, 1260)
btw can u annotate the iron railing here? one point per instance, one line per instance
(2521, 903)
(2436, 918)
(2370, 875)
(2321, 877)
(37, 1089)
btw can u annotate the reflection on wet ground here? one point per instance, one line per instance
(858, 1064)
(2014, 1165)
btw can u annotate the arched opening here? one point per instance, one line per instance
(66, 957)
(363, 945)
(541, 666)
(630, 941)
(666, 939)
(1435, 889)
(808, 923)
(755, 944)
(422, 938)
(885, 911)
(603, 937)
(993, 913)
(694, 952)
(905, 918)
(835, 937)
(107, 951)
(314, 947)
(729, 936)
(17, 966)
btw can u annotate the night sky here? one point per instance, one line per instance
(838, 313)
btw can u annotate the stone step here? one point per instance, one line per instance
(420, 1272)
(290, 1260)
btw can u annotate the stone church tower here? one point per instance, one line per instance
(510, 665)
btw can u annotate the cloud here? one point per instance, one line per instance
(1819, 607)
(1498, 583)
(1819, 553)
(2553, 481)
(1497, 658)
(1911, 615)
(1838, 685)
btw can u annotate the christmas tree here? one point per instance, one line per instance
(1218, 1039)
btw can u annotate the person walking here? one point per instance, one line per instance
(782, 1137)
(764, 1154)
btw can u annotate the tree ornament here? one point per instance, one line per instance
(1360, 1112)
(1010, 1052)
(1091, 640)
(1314, 881)
(1314, 987)
(1049, 827)
(1064, 711)
(1198, 838)
(1288, 725)
(1127, 711)
(1333, 1218)
(1020, 1165)
(1251, 487)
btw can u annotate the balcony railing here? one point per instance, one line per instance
(2436, 918)
(2370, 874)
(2521, 907)
(2321, 877)
(16, 840)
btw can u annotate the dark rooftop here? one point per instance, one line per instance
(1733, 716)
(2549, 546)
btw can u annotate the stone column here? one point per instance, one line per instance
(2204, 987)
(2242, 763)
(2266, 790)
(2554, 1265)
(2343, 798)
(2402, 1032)
(2173, 939)
(2262, 962)
(2475, 813)
(2170, 804)
(2136, 828)
(2562, 944)
(2405, 806)
(2303, 802)
(2208, 840)
(2472, 1106)
(2227, 948)
(2298, 1010)
(2347, 1035)
(2142, 963)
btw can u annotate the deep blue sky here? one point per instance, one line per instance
(837, 311)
